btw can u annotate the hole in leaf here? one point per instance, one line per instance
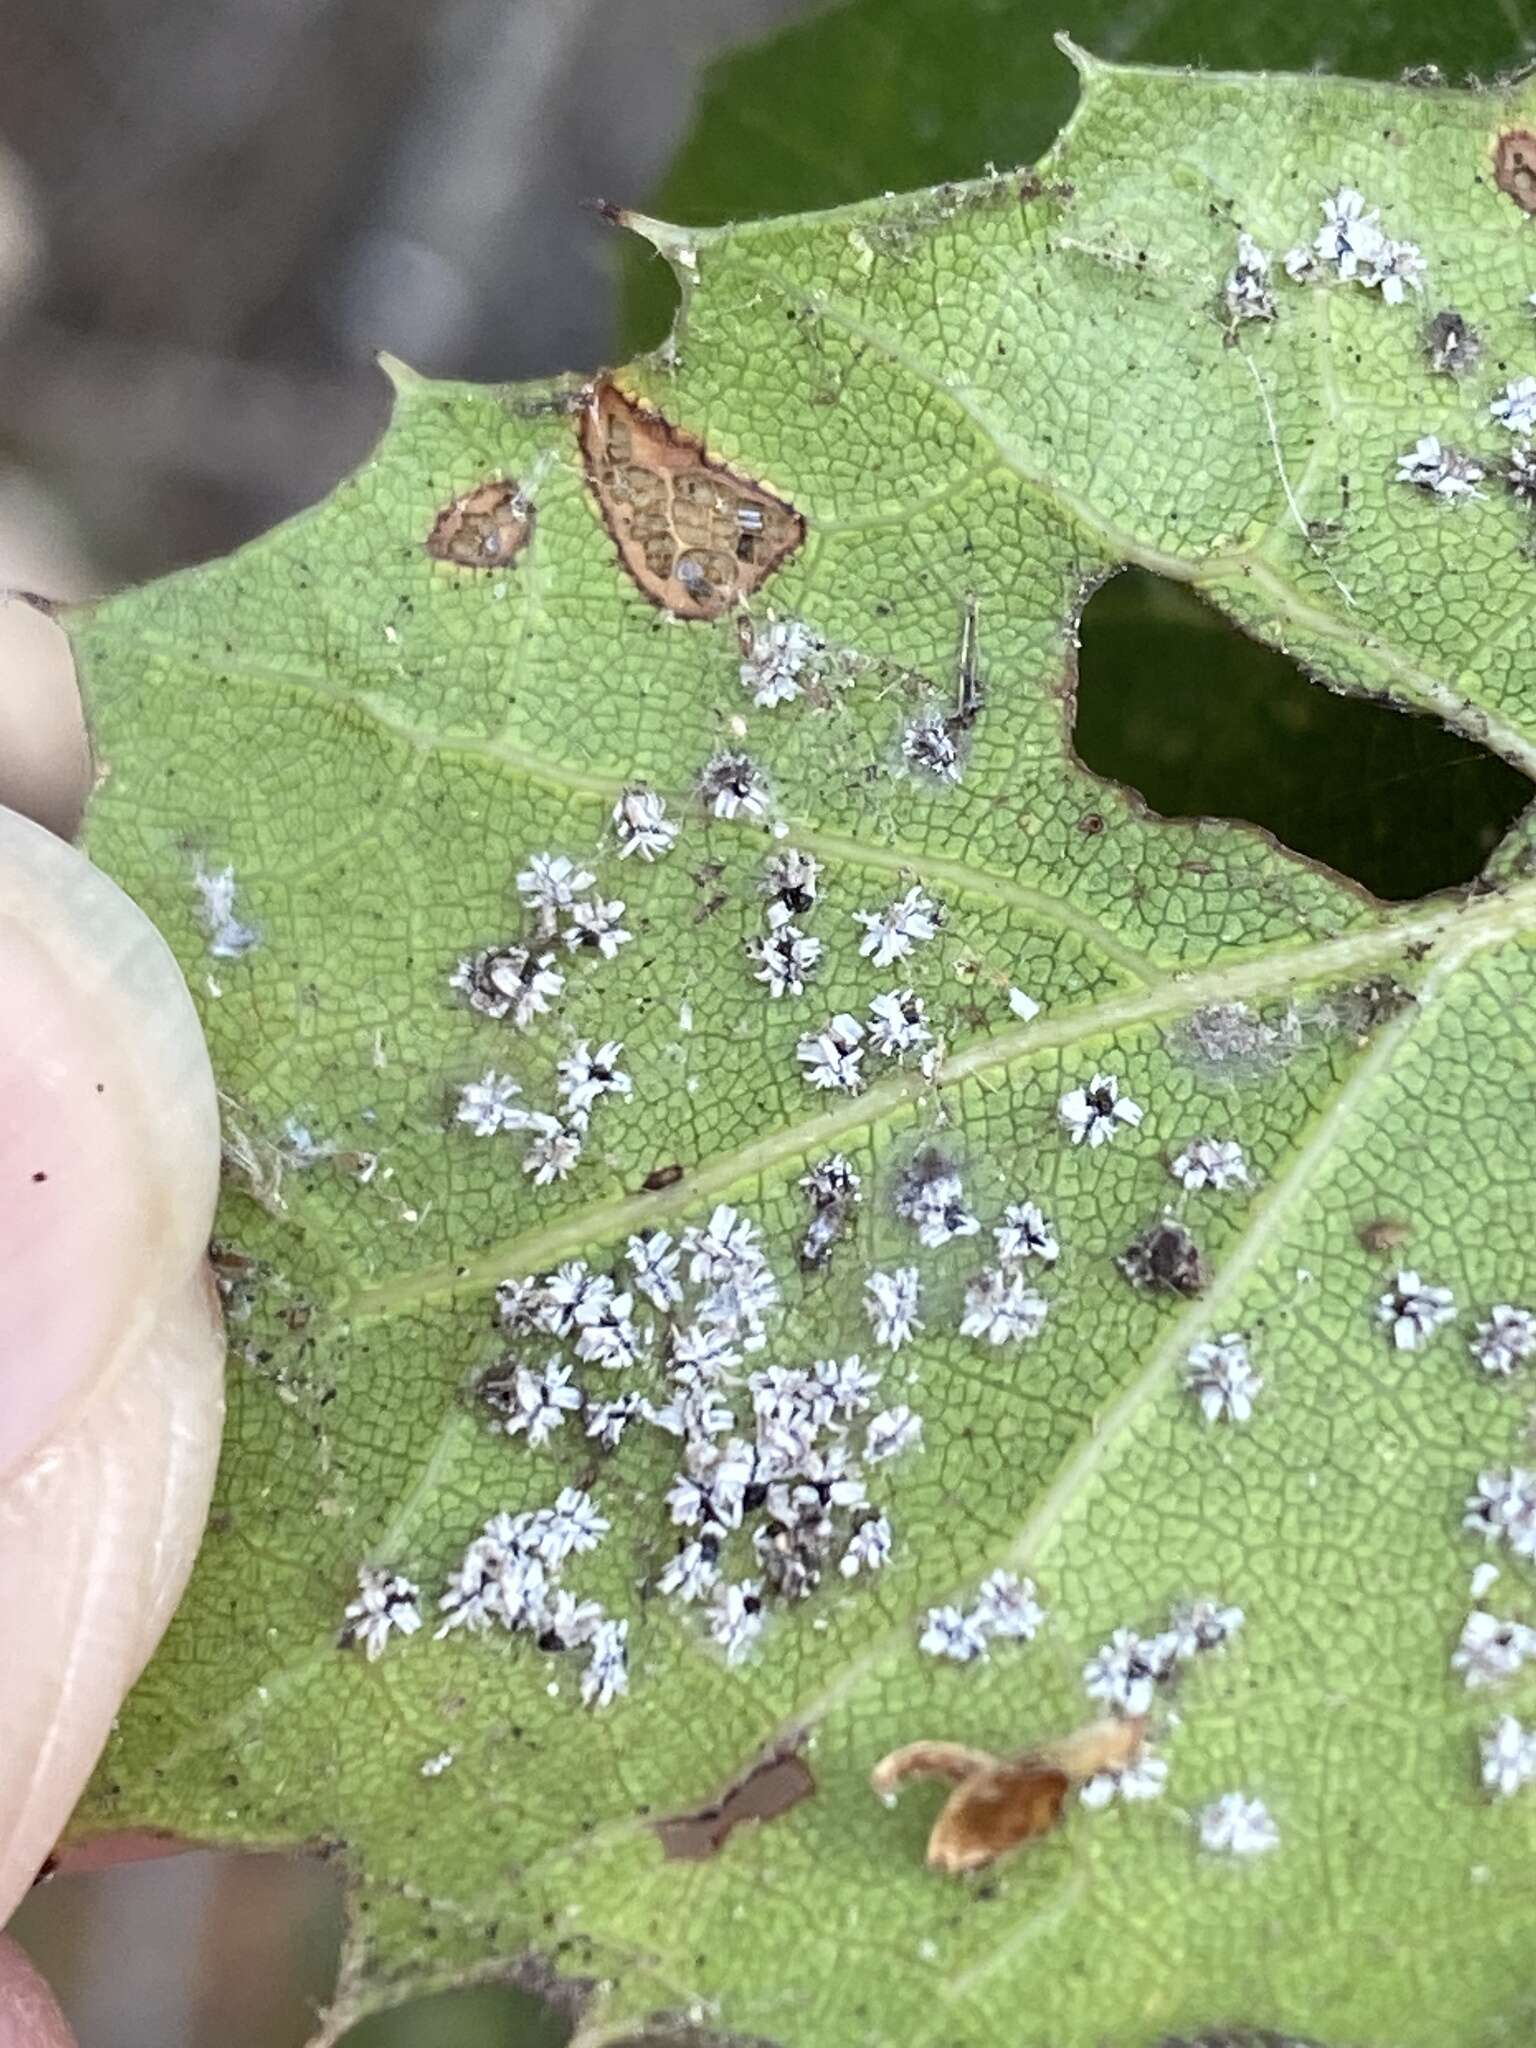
(236, 1949)
(1236, 2037)
(773, 1785)
(1201, 721)
(485, 2016)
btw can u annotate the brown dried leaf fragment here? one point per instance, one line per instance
(1514, 166)
(950, 1760)
(696, 537)
(774, 1784)
(995, 1812)
(1000, 1804)
(486, 528)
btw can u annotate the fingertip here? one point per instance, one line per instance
(29, 2013)
(109, 1133)
(111, 1345)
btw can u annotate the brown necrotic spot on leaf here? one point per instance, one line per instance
(774, 1784)
(696, 536)
(1384, 1233)
(485, 529)
(1514, 166)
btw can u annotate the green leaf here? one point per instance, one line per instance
(980, 399)
(882, 95)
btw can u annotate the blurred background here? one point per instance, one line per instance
(214, 212)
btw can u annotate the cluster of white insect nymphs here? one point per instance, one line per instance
(1447, 472)
(1246, 294)
(1216, 1163)
(1493, 1649)
(890, 934)
(510, 1578)
(1091, 1115)
(1509, 1757)
(1238, 1825)
(1450, 473)
(930, 746)
(387, 1604)
(778, 658)
(1413, 1309)
(731, 785)
(896, 1022)
(1354, 247)
(1005, 1607)
(1444, 472)
(771, 1457)
(834, 1189)
(1126, 1674)
(787, 955)
(519, 982)
(1000, 1306)
(1503, 1509)
(1219, 1373)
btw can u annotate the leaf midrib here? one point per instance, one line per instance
(1484, 922)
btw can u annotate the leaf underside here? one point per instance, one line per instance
(979, 400)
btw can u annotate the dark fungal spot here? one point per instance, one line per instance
(1165, 1259)
(1451, 346)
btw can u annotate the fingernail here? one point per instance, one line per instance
(108, 1129)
